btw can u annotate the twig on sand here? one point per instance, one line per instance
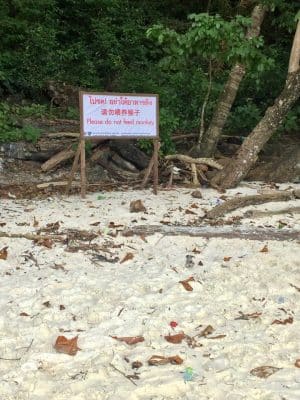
(18, 358)
(123, 373)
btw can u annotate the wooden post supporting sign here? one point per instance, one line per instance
(117, 116)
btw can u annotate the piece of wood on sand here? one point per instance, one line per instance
(239, 202)
(228, 232)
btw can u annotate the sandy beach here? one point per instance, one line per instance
(237, 311)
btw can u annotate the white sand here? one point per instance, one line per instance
(141, 297)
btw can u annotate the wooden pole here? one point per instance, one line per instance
(148, 172)
(156, 146)
(74, 168)
(82, 168)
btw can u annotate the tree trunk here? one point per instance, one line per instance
(295, 52)
(247, 155)
(229, 93)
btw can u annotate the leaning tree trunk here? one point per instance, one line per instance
(247, 155)
(227, 97)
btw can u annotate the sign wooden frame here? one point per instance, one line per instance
(121, 100)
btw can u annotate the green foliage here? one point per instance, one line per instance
(31, 110)
(6, 123)
(88, 147)
(168, 124)
(72, 113)
(243, 119)
(291, 122)
(210, 38)
(10, 131)
(145, 47)
(287, 13)
(30, 133)
(28, 42)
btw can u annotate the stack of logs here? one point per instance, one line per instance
(122, 159)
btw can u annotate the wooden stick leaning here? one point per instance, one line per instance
(153, 167)
(148, 172)
(74, 167)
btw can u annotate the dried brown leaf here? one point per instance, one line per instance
(165, 222)
(196, 194)
(160, 360)
(253, 315)
(186, 284)
(264, 371)
(192, 342)
(137, 206)
(195, 250)
(24, 314)
(175, 339)
(4, 253)
(67, 346)
(95, 223)
(53, 226)
(129, 339)
(227, 259)
(136, 364)
(143, 237)
(45, 242)
(35, 222)
(175, 360)
(264, 249)
(288, 320)
(128, 256)
(206, 331)
(187, 211)
(113, 225)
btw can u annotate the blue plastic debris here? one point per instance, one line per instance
(188, 374)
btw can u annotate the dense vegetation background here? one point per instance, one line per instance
(106, 45)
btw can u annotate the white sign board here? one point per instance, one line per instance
(117, 115)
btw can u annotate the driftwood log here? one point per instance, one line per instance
(189, 160)
(228, 232)
(268, 213)
(239, 202)
(57, 159)
(130, 152)
(32, 236)
(197, 166)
